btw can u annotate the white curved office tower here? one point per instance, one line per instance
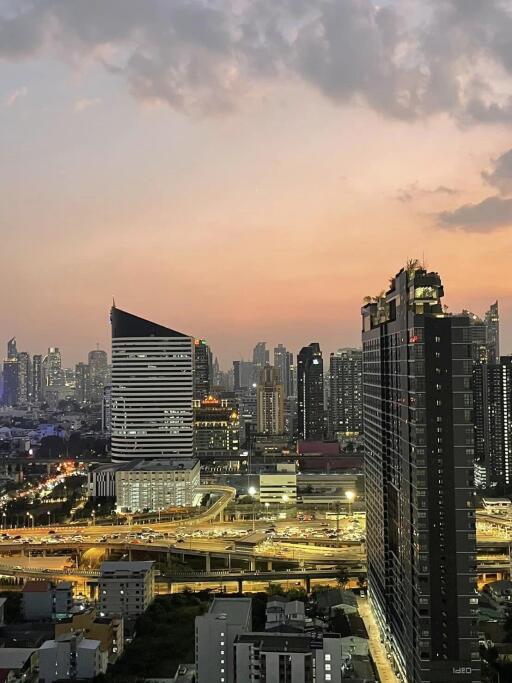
(152, 390)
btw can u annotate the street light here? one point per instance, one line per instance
(252, 493)
(49, 517)
(350, 495)
(285, 499)
(31, 517)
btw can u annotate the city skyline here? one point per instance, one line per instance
(329, 344)
(290, 160)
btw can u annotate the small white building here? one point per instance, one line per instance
(126, 588)
(157, 484)
(274, 657)
(71, 657)
(279, 486)
(216, 631)
(18, 664)
(43, 600)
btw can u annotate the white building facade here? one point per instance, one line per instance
(152, 390)
(126, 588)
(156, 485)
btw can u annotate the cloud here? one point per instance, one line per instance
(86, 103)
(14, 96)
(490, 214)
(501, 174)
(413, 191)
(408, 59)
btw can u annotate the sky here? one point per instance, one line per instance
(246, 170)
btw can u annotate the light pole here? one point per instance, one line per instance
(350, 495)
(49, 517)
(252, 493)
(285, 500)
(31, 518)
(267, 505)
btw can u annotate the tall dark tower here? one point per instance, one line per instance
(492, 323)
(202, 369)
(418, 431)
(310, 393)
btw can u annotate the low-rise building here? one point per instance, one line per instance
(44, 600)
(279, 486)
(283, 615)
(216, 632)
(71, 657)
(335, 600)
(108, 630)
(18, 664)
(276, 657)
(126, 588)
(157, 484)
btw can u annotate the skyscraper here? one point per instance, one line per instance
(260, 355)
(37, 378)
(152, 389)
(493, 421)
(12, 351)
(270, 402)
(98, 375)
(492, 323)
(310, 393)
(202, 369)
(24, 378)
(53, 375)
(345, 379)
(82, 383)
(418, 431)
(283, 361)
(11, 382)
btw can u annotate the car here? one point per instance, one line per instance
(180, 540)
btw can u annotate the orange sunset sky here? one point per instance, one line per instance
(248, 171)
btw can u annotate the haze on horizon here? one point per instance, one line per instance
(248, 171)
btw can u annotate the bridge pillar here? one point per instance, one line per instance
(208, 560)
(240, 586)
(252, 564)
(308, 584)
(129, 555)
(269, 565)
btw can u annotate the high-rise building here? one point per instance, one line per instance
(98, 375)
(310, 393)
(11, 382)
(283, 360)
(152, 390)
(493, 422)
(216, 428)
(260, 355)
(12, 350)
(270, 402)
(245, 374)
(37, 378)
(24, 378)
(492, 323)
(106, 410)
(345, 400)
(203, 370)
(418, 432)
(82, 383)
(53, 376)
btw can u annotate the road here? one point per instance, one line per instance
(377, 649)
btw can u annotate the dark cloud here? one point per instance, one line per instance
(490, 214)
(413, 191)
(202, 56)
(501, 174)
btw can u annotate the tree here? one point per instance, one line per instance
(361, 581)
(342, 577)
